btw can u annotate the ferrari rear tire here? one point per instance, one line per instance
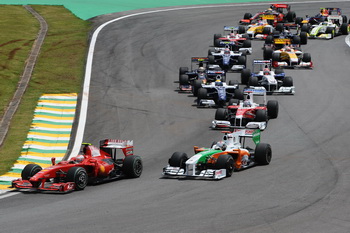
(263, 154)
(79, 176)
(30, 170)
(132, 166)
(272, 109)
(178, 159)
(225, 161)
(221, 114)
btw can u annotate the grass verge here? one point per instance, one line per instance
(59, 68)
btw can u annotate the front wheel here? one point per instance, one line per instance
(225, 161)
(132, 166)
(79, 176)
(178, 159)
(221, 114)
(29, 171)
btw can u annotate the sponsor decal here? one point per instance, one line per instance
(256, 136)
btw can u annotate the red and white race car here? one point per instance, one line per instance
(94, 165)
(247, 113)
(281, 12)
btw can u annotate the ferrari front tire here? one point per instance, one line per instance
(79, 176)
(30, 170)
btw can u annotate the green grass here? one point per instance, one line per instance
(59, 68)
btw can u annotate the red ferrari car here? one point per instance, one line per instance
(93, 165)
(282, 13)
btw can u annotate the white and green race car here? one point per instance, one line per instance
(334, 26)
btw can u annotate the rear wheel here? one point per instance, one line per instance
(196, 85)
(238, 94)
(275, 57)
(178, 159)
(183, 70)
(79, 176)
(132, 166)
(303, 37)
(29, 171)
(291, 16)
(242, 60)
(245, 75)
(344, 29)
(272, 109)
(296, 40)
(241, 29)
(221, 114)
(280, 27)
(247, 16)
(268, 53)
(247, 44)
(263, 154)
(253, 81)
(225, 161)
(269, 40)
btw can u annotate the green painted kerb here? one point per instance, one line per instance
(90, 8)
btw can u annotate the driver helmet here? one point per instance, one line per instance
(218, 82)
(221, 145)
(201, 69)
(227, 51)
(247, 103)
(79, 158)
(266, 71)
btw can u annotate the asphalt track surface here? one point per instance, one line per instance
(133, 96)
